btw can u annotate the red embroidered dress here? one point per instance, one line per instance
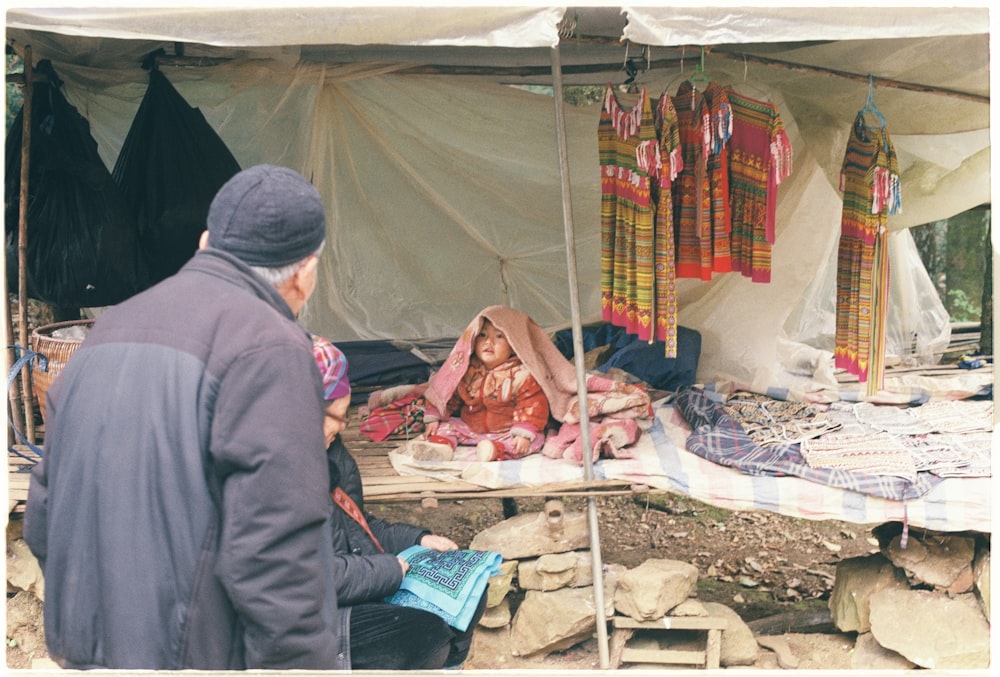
(760, 158)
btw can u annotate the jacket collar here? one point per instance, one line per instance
(225, 266)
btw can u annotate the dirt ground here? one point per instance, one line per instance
(762, 565)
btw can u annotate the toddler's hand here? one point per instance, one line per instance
(521, 445)
(430, 428)
(403, 564)
(439, 543)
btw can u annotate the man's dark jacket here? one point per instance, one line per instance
(181, 512)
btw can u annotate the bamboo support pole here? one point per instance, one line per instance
(588, 462)
(22, 247)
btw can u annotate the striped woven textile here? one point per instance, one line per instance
(630, 159)
(701, 191)
(870, 186)
(664, 251)
(671, 175)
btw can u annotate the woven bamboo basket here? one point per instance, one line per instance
(57, 352)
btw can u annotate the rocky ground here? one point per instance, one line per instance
(775, 572)
(762, 565)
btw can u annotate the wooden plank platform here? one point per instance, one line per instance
(383, 485)
(380, 481)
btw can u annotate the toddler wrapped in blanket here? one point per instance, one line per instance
(507, 389)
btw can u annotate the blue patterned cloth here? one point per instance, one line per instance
(449, 584)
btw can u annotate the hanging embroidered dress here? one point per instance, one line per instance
(630, 160)
(871, 192)
(701, 191)
(664, 256)
(719, 133)
(760, 158)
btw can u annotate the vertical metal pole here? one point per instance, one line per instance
(578, 352)
(22, 244)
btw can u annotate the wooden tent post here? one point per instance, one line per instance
(578, 353)
(22, 245)
(14, 408)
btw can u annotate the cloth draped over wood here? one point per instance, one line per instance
(871, 192)
(621, 408)
(394, 413)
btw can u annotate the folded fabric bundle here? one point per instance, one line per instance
(449, 584)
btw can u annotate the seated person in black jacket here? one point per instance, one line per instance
(382, 636)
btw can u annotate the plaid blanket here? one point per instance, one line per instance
(717, 437)
(662, 461)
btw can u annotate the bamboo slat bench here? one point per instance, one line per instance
(381, 482)
(383, 485)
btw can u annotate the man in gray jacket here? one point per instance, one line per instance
(181, 510)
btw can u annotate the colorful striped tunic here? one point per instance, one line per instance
(664, 255)
(870, 185)
(672, 172)
(630, 159)
(701, 191)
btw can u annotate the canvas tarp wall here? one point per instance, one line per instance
(444, 191)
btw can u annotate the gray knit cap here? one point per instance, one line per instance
(267, 216)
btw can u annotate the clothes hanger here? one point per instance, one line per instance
(633, 69)
(700, 77)
(746, 85)
(870, 106)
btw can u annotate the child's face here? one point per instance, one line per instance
(491, 346)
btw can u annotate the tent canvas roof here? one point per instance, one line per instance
(425, 158)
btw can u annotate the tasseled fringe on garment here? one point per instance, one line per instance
(625, 122)
(648, 159)
(721, 128)
(886, 192)
(665, 118)
(781, 155)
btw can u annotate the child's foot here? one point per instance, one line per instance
(422, 450)
(486, 450)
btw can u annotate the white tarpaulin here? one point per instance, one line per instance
(714, 25)
(303, 25)
(443, 191)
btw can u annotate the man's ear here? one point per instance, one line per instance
(307, 269)
(303, 282)
(203, 240)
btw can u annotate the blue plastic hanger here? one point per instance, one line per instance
(870, 106)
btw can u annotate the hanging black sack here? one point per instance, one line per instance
(170, 167)
(83, 248)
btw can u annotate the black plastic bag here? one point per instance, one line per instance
(170, 167)
(83, 248)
